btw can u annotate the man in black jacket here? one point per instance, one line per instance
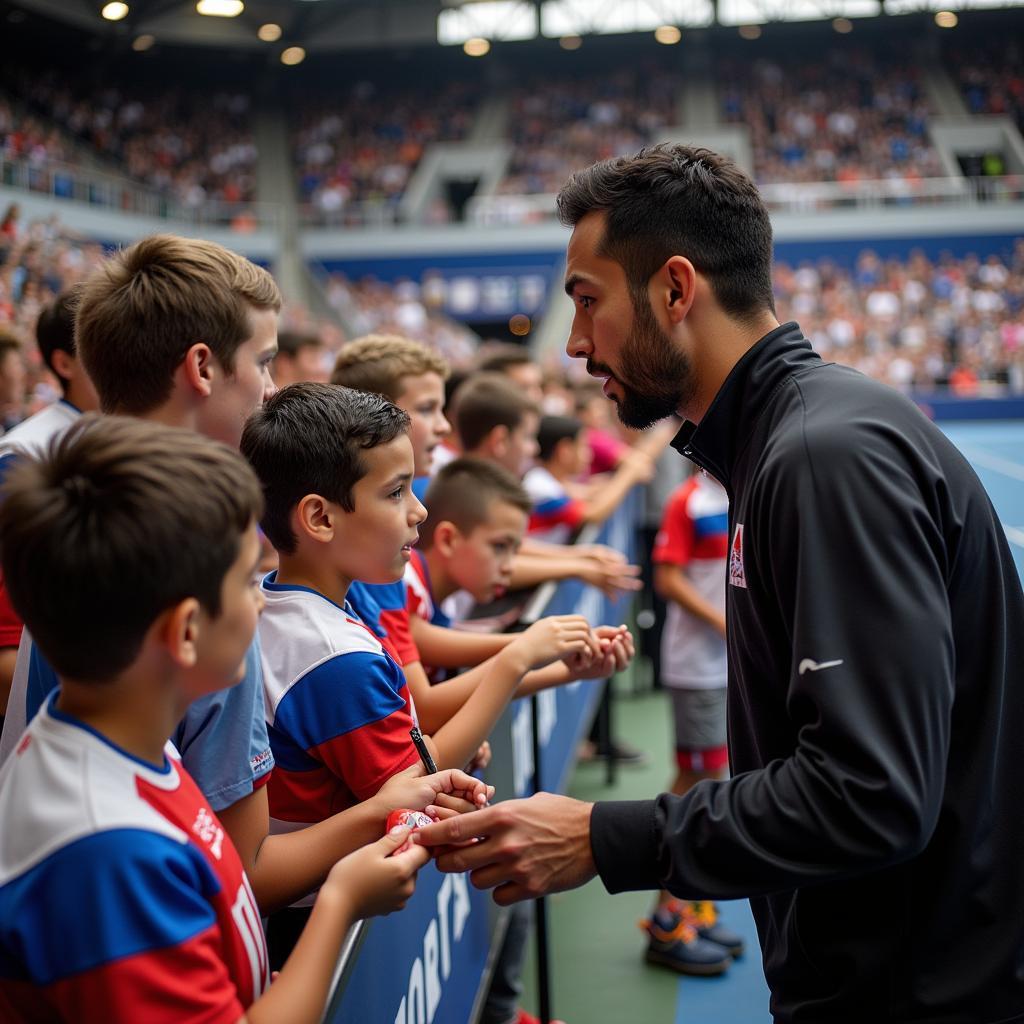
(875, 635)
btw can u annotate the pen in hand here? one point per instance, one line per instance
(417, 740)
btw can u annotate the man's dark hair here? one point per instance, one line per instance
(675, 200)
(309, 439)
(485, 401)
(119, 521)
(55, 329)
(552, 431)
(463, 492)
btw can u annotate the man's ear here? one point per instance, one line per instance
(178, 632)
(315, 517)
(197, 369)
(446, 536)
(673, 288)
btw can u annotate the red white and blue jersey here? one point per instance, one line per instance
(382, 607)
(338, 708)
(122, 898)
(695, 536)
(419, 593)
(556, 516)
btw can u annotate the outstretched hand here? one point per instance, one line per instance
(447, 792)
(521, 848)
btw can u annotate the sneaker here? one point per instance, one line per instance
(682, 949)
(703, 915)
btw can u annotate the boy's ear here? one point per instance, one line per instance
(63, 363)
(197, 368)
(496, 441)
(446, 534)
(314, 517)
(179, 632)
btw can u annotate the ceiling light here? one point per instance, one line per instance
(142, 43)
(269, 33)
(293, 55)
(750, 31)
(114, 11)
(570, 42)
(667, 34)
(476, 47)
(220, 8)
(946, 19)
(843, 26)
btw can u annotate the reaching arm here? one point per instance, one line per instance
(671, 583)
(454, 648)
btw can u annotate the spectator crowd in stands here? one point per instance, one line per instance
(991, 79)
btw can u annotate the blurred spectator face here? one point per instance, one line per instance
(530, 379)
(234, 396)
(307, 363)
(422, 397)
(12, 384)
(520, 448)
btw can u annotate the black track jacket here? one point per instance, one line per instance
(875, 813)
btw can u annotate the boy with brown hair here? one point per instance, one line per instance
(129, 550)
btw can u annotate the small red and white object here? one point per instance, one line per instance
(405, 818)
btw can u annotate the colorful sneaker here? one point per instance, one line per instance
(703, 915)
(679, 947)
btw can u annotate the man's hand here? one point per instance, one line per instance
(524, 848)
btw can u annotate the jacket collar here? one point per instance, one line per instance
(716, 442)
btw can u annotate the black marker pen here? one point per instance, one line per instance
(417, 739)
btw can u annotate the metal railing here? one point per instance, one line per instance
(110, 191)
(792, 197)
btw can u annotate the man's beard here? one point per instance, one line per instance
(656, 379)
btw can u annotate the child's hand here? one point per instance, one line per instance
(481, 759)
(568, 637)
(451, 789)
(375, 879)
(617, 651)
(612, 577)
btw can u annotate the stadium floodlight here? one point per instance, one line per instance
(220, 8)
(477, 47)
(667, 35)
(140, 44)
(487, 19)
(604, 17)
(114, 11)
(293, 55)
(269, 33)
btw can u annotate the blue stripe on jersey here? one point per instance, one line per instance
(543, 508)
(709, 526)
(110, 895)
(338, 696)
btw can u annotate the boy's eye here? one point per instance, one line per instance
(585, 301)
(397, 492)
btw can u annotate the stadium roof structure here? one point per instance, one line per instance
(338, 25)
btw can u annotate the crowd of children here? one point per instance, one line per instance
(194, 756)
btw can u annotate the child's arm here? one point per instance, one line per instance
(284, 868)
(558, 636)
(374, 880)
(454, 648)
(610, 576)
(618, 651)
(635, 468)
(671, 584)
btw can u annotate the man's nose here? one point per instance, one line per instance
(578, 346)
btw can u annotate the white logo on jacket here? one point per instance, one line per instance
(737, 577)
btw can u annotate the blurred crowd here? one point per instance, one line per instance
(991, 79)
(364, 149)
(851, 117)
(189, 145)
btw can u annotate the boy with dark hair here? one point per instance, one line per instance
(495, 420)
(517, 364)
(336, 467)
(129, 550)
(300, 356)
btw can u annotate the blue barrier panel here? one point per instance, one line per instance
(424, 965)
(428, 964)
(944, 407)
